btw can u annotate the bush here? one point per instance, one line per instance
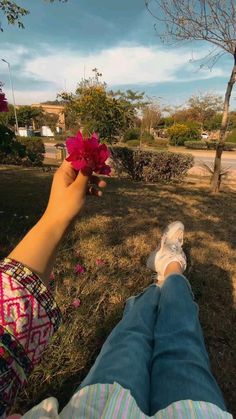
(231, 137)
(230, 146)
(227, 147)
(133, 143)
(161, 144)
(196, 145)
(11, 150)
(6, 139)
(152, 166)
(132, 134)
(179, 133)
(35, 150)
(147, 138)
(208, 145)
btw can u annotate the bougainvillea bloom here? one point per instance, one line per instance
(3, 102)
(88, 153)
(76, 303)
(79, 269)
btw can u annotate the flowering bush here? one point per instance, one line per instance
(88, 153)
(3, 101)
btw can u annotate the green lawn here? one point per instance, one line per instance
(122, 229)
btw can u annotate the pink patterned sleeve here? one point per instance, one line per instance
(29, 317)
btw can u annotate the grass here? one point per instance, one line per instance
(122, 229)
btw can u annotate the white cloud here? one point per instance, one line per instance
(13, 54)
(28, 97)
(120, 65)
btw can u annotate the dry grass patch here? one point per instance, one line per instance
(122, 229)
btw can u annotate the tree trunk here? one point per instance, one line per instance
(216, 178)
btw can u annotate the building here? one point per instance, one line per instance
(55, 110)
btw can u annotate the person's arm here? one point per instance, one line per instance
(28, 313)
(38, 248)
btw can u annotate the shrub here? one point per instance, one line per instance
(161, 144)
(35, 150)
(196, 145)
(231, 137)
(230, 146)
(132, 134)
(133, 143)
(6, 139)
(11, 150)
(179, 133)
(208, 145)
(147, 138)
(152, 166)
(227, 146)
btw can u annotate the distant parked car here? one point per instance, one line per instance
(205, 136)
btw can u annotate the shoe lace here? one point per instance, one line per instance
(174, 248)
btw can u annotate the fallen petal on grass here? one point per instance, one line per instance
(52, 277)
(100, 262)
(76, 303)
(79, 269)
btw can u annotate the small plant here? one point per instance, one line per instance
(132, 134)
(147, 138)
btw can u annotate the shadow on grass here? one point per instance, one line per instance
(124, 227)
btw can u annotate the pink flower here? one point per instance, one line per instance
(100, 262)
(3, 102)
(76, 303)
(88, 153)
(79, 269)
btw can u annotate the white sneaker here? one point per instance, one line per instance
(170, 250)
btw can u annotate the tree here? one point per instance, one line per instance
(212, 21)
(204, 107)
(151, 116)
(14, 13)
(27, 116)
(48, 119)
(8, 118)
(94, 108)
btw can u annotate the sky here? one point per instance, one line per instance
(62, 43)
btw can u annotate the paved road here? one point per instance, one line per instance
(50, 151)
(227, 160)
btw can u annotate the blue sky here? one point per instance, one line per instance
(62, 41)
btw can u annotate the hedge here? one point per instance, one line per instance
(25, 151)
(133, 143)
(34, 148)
(152, 166)
(231, 137)
(207, 145)
(196, 145)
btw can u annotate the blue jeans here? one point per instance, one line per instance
(157, 350)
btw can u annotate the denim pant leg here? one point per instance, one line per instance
(126, 355)
(180, 366)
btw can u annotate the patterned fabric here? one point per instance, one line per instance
(111, 401)
(28, 318)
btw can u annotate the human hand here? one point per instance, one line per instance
(68, 193)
